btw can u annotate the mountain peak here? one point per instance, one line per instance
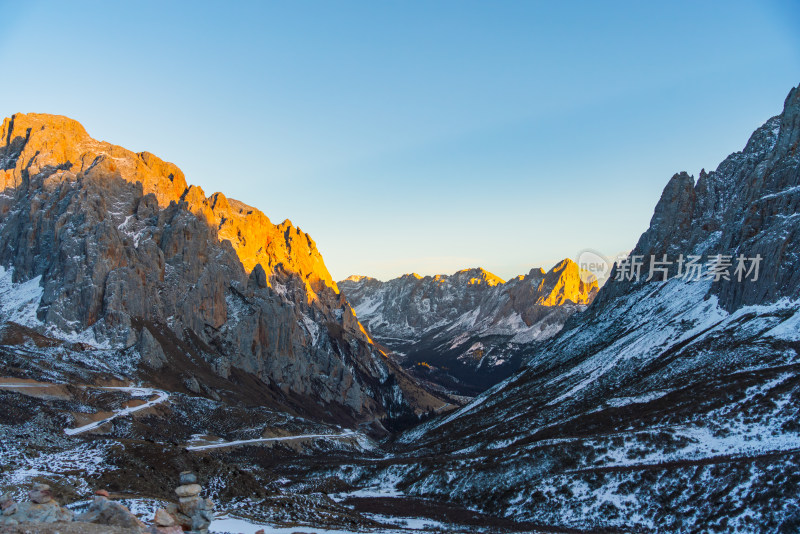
(357, 278)
(536, 271)
(22, 122)
(566, 263)
(46, 147)
(126, 255)
(479, 275)
(563, 284)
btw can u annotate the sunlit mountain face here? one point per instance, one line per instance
(463, 333)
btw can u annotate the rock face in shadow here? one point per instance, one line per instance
(466, 331)
(748, 206)
(120, 242)
(664, 394)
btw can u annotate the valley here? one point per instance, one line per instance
(150, 333)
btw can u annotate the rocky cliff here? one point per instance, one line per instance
(465, 331)
(118, 252)
(667, 392)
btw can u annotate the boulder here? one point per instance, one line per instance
(29, 512)
(175, 529)
(40, 494)
(195, 513)
(7, 504)
(105, 512)
(151, 351)
(180, 518)
(163, 518)
(193, 385)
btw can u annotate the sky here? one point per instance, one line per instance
(410, 136)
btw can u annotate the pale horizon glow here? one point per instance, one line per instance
(416, 136)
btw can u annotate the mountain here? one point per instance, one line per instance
(138, 342)
(147, 329)
(670, 405)
(466, 331)
(112, 250)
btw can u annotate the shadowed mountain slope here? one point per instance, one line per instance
(669, 405)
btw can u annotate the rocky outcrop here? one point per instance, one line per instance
(748, 206)
(472, 322)
(192, 512)
(41, 508)
(124, 248)
(104, 511)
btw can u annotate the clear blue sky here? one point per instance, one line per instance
(417, 136)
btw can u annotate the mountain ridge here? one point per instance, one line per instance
(470, 324)
(167, 183)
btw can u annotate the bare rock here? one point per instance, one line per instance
(105, 512)
(7, 504)
(178, 516)
(40, 494)
(150, 350)
(188, 477)
(174, 529)
(258, 278)
(193, 385)
(748, 206)
(188, 490)
(29, 512)
(168, 256)
(163, 518)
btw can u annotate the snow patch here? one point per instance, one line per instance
(19, 302)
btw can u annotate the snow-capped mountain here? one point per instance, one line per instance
(465, 330)
(671, 404)
(106, 247)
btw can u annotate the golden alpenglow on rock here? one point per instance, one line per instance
(470, 328)
(62, 144)
(564, 284)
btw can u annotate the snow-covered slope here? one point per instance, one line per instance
(671, 405)
(466, 330)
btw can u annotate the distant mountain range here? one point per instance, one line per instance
(467, 331)
(671, 404)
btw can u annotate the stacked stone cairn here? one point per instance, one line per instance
(192, 513)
